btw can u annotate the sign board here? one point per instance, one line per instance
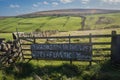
(62, 51)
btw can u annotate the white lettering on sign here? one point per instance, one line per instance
(62, 51)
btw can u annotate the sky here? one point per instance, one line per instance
(18, 7)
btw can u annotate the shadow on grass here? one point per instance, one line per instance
(65, 69)
(24, 70)
(108, 71)
(104, 71)
(20, 70)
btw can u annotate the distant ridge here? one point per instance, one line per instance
(69, 12)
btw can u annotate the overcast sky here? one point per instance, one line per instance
(16, 7)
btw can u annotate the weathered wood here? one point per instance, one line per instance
(115, 48)
(26, 44)
(83, 36)
(27, 54)
(94, 49)
(69, 48)
(29, 58)
(20, 46)
(90, 41)
(93, 43)
(89, 37)
(101, 43)
(101, 55)
(101, 49)
(26, 49)
(29, 40)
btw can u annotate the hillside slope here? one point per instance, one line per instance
(56, 20)
(42, 23)
(69, 12)
(102, 21)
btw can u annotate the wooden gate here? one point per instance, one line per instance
(100, 45)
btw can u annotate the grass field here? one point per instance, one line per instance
(43, 23)
(102, 21)
(62, 70)
(58, 70)
(7, 36)
(65, 23)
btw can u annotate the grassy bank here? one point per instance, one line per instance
(64, 71)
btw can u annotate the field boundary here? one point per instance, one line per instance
(97, 52)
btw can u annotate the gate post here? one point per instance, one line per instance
(69, 48)
(90, 41)
(115, 48)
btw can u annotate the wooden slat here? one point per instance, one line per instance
(101, 55)
(66, 60)
(26, 39)
(93, 43)
(26, 54)
(26, 49)
(83, 36)
(27, 58)
(102, 49)
(99, 36)
(101, 43)
(26, 44)
(93, 55)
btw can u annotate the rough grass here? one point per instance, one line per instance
(64, 71)
(58, 70)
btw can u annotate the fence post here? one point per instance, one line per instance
(115, 48)
(34, 39)
(90, 41)
(20, 52)
(69, 48)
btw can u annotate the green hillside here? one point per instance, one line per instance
(102, 21)
(42, 23)
(62, 70)
(64, 23)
